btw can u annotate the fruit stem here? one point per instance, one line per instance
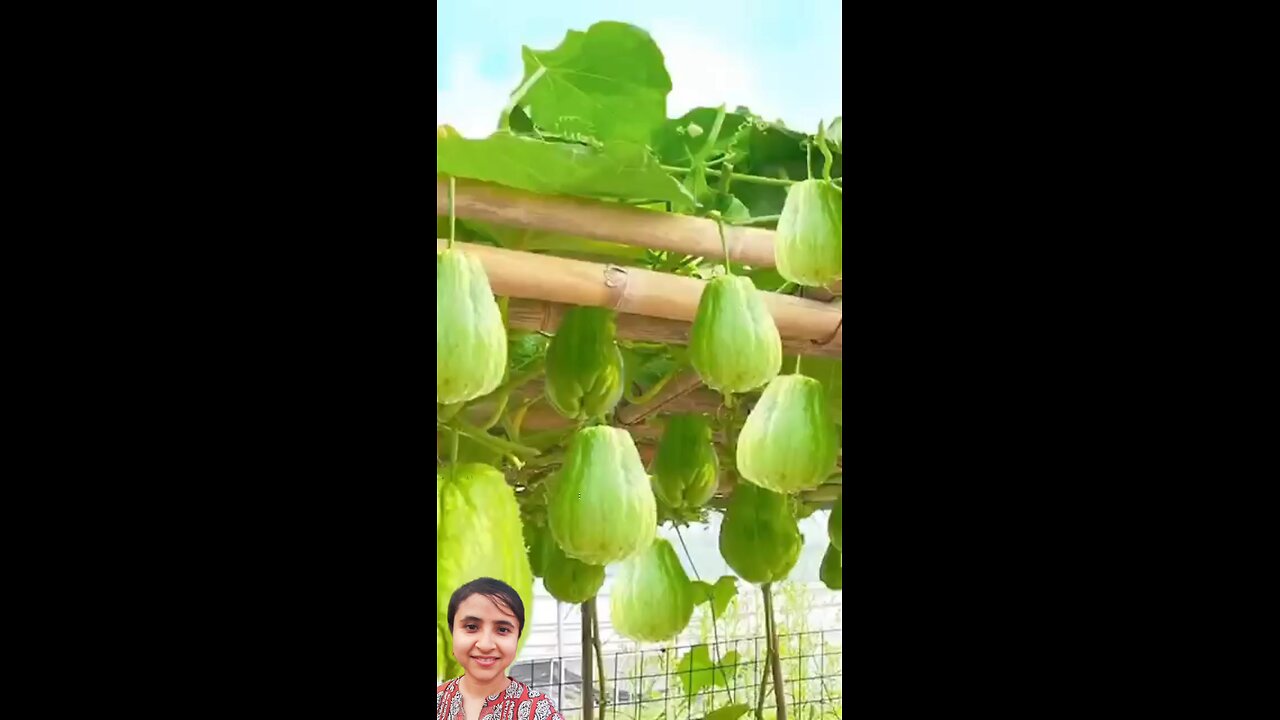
(711, 603)
(738, 177)
(798, 357)
(652, 392)
(760, 220)
(724, 244)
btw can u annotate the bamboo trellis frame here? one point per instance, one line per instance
(651, 306)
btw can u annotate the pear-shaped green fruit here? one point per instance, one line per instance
(600, 507)
(686, 468)
(734, 344)
(835, 524)
(759, 538)
(789, 442)
(832, 571)
(584, 364)
(568, 580)
(808, 245)
(652, 598)
(480, 535)
(471, 341)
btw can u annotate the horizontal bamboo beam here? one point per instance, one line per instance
(639, 292)
(537, 315)
(598, 220)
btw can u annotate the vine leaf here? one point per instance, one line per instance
(697, 671)
(729, 712)
(617, 170)
(609, 83)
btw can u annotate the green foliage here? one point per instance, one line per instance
(608, 83)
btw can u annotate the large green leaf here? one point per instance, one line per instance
(616, 170)
(720, 594)
(697, 671)
(609, 83)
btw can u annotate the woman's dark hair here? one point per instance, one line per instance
(496, 590)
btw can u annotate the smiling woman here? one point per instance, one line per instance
(487, 619)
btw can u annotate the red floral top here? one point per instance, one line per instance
(517, 702)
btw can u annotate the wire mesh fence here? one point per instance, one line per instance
(689, 681)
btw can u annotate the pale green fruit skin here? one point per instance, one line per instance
(808, 245)
(584, 364)
(835, 524)
(686, 468)
(652, 598)
(759, 538)
(789, 442)
(601, 507)
(568, 580)
(734, 344)
(471, 341)
(832, 570)
(480, 535)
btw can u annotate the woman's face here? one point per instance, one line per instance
(484, 638)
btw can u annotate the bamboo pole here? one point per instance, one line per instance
(637, 291)
(526, 314)
(613, 222)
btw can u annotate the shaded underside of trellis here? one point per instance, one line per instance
(651, 306)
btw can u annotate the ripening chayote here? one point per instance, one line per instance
(652, 598)
(789, 442)
(686, 468)
(734, 344)
(601, 508)
(584, 364)
(831, 572)
(471, 341)
(479, 535)
(759, 537)
(808, 245)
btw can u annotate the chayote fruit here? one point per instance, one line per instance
(832, 570)
(480, 535)
(835, 524)
(471, 341)
(600, 507)
(809, 243)
(789, 442)
(568, 580)
(584, 364)
(759, 538)
(734, 344)
(652, 598)
(686, 468)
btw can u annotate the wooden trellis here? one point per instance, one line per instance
(652, 306)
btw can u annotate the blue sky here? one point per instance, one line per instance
(780, 58)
